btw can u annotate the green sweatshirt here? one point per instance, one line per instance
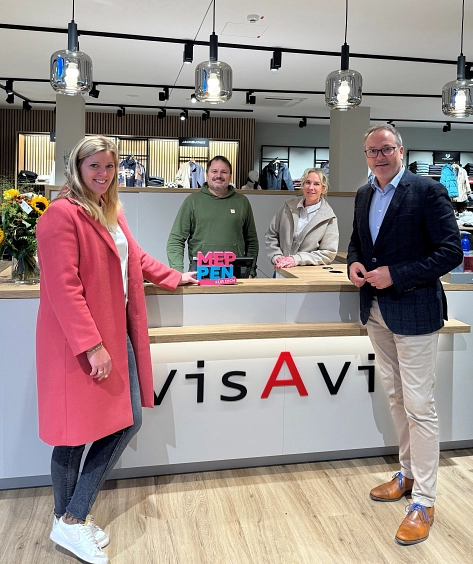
(209, 223)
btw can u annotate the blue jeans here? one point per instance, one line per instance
(74, 494)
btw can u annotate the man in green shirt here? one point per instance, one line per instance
(214, 218)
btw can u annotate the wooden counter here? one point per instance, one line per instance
(215, 351)
(297, 279)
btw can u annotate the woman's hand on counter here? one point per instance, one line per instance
(100, 363)
(188, 278)
(285, 262)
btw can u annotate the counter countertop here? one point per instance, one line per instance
(296, 280)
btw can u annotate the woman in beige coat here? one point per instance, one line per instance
(305, 230)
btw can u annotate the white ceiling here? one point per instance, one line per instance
(427, 28)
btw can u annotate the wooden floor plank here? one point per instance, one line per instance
(313, 513)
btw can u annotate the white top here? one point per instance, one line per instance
(122, 247)
(305, 215)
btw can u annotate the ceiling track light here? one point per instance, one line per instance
(303, 122)
(343, 87)
(121, 111)
(275, 64)
(447, 127)
(164, 95)
(457, 96)
(206, 115)
(70, 69)
(250, 98)
(193, 99)
(213, 78)
(9, 90)
(94, 92)
(184, 115)
(26, 106)
(391, 122)
(188, 55)
(162, 114)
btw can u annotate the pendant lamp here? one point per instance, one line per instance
(71, 70)
(213, 78)
(343, 87)
(457, 96)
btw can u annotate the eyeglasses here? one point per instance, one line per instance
(386, 151)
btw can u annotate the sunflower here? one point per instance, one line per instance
(39, 203)
(2, 236)
(10, 194)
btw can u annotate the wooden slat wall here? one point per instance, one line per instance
(38, 155)
(13, 121)
(163, 156)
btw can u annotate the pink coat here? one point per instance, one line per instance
(81, 304)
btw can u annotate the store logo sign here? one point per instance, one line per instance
(295, 380)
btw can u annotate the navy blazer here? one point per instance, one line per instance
(419, 241)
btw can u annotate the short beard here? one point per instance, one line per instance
(219, 190)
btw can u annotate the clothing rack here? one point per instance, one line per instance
(198, 160)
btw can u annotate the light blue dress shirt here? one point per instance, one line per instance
(380, 202)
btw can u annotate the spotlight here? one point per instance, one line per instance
(26, 106)
(94, 92)
(164, 95)
(162, 114)
(193, 99)
(390, 122)
(121, 111)
(206, 115)
(52, 136)
(250, 99)
(184, 115)
(9, 90)
(188, 55)
(276, 60)
(303, 122)
(447, 127)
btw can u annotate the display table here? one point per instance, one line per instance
(267, 371)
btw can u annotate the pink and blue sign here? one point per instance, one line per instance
(215, 269)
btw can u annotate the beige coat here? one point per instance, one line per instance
(316, 244)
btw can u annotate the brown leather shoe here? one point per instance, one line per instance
(398, 487)
(416, 524)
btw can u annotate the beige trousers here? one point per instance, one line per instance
(407, 364)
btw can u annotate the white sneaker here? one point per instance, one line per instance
(100, 535)
(79, 540)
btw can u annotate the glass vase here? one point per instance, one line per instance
(25, 269)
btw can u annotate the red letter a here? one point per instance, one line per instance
(296, 379)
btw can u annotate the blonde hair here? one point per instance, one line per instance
(322, 176)
(75, 188)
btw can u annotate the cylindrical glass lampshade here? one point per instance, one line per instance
(457, 98)
(71, 72)
(343, 89)
(213, 82)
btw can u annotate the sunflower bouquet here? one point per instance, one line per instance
(19, 215)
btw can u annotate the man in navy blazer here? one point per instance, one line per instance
(404, 238)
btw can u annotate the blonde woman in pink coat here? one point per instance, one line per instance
(93, 359)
